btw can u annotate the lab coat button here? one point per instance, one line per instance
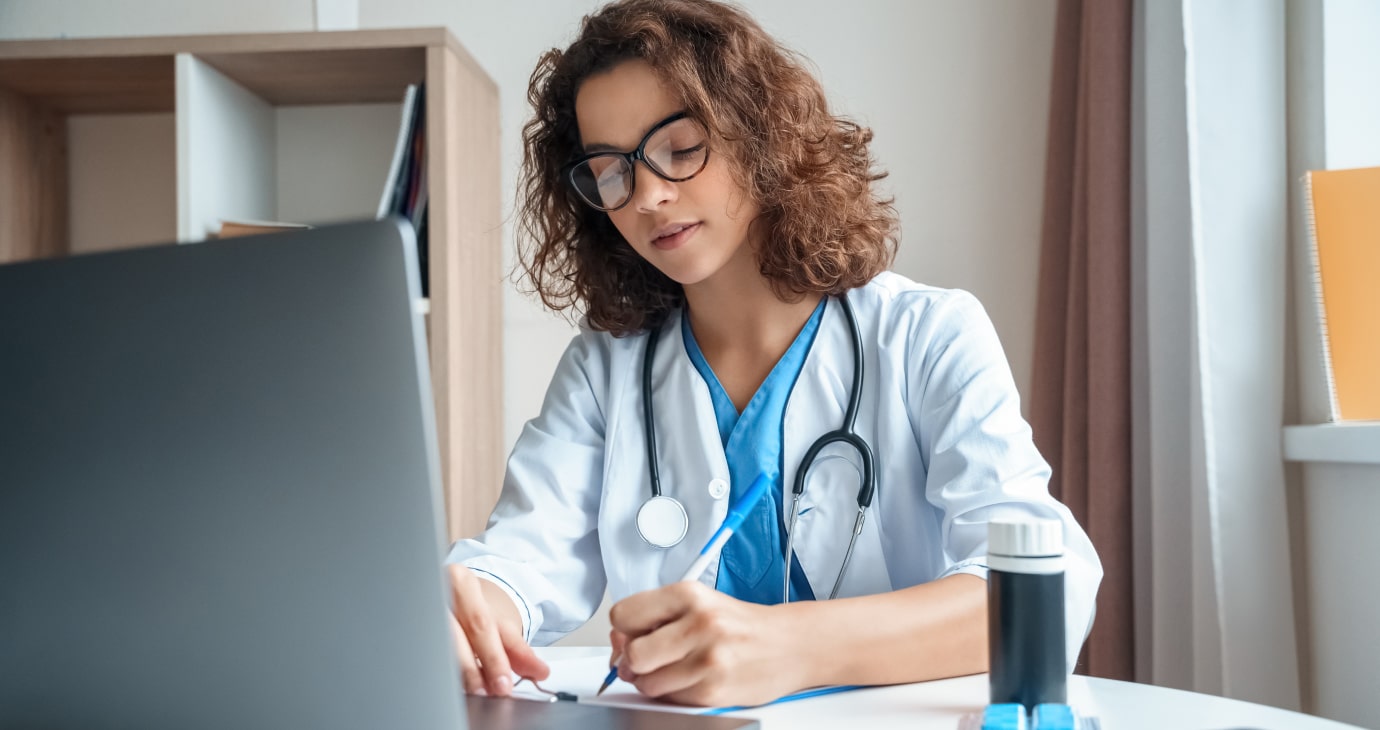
(718, 488)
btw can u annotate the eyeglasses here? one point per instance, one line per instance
(676, 149)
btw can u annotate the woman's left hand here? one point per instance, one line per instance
(691, 644)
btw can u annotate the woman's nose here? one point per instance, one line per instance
(650, 191)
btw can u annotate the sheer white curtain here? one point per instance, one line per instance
(1210, 230)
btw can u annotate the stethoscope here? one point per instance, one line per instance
(662, 520)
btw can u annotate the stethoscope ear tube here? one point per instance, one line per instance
(866, 491)
(648, 427)
(848, 555)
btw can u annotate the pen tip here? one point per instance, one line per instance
(602, 687)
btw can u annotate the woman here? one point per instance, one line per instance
(687, 189)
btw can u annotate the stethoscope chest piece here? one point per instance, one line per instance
(662, 521)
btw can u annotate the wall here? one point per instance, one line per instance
(1333, 118)
(956, 92)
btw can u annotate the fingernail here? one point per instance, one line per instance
(505, 685)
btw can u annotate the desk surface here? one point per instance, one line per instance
(939, 705)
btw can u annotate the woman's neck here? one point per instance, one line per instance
(737, 316)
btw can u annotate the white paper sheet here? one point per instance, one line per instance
(581, 676)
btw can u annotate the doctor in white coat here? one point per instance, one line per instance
(684, 178)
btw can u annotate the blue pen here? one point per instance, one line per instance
(736, 514)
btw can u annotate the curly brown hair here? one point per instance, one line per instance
(809, 171)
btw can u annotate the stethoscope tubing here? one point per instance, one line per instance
(846, 434)
(649, 428)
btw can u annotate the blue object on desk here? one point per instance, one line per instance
(803, 695)
(608, 679)
(1006, 716)
(1052, 716)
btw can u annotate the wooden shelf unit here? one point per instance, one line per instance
(223, 92)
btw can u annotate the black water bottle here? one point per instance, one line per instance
(1025, 611)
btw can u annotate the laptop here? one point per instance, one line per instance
(220, 494)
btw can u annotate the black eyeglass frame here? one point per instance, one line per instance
(632, 158)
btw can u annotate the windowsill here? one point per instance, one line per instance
(1346, 443)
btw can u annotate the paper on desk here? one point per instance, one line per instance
(581, 677)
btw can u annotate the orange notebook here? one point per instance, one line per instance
(1344, 240)
(236, 228)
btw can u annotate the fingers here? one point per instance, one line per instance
(618, 645)
(470, 675)
(524, 660)
(698, 656)
(481, 631)
(650, 654)
(618, 641)
(643, 612)
(684, 682)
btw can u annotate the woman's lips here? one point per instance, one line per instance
(666, 243)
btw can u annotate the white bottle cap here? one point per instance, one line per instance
(1025, 537)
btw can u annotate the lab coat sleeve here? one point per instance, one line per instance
(541, 544)
(980, 458)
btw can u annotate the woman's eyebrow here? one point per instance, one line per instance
(590, 149)
(601, 147)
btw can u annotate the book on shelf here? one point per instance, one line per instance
(234, 228)
(1343, 208)
(405, 191)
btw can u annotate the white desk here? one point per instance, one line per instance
(939, 705)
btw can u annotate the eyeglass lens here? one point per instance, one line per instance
(675, 152)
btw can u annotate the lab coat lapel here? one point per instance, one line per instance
(688, 448)
(829, 505)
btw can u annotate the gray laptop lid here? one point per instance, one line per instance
(218, 489)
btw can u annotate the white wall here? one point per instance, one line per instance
(1334, 113)
(87, 18)
(957, 93)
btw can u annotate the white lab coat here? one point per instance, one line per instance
(939, 408)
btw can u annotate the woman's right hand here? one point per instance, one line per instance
(488, 636)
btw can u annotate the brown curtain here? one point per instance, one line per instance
(1081, 400)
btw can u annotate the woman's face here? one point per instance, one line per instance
(689, 230)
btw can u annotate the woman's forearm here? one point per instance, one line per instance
(928, 631)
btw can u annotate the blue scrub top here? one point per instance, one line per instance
(751, 563)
